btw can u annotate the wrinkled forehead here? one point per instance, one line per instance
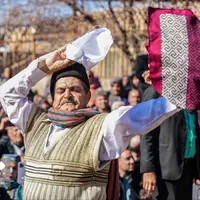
(68, 81)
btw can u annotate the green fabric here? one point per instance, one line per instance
(190, 147)
(19, 193)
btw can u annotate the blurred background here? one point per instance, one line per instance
(30, 28)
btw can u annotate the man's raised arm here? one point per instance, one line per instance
(13, 93)
(122, 124)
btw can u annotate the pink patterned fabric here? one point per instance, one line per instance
(193, 94)
(174, 56)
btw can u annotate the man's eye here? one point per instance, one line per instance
(60, 90)
(76, 89)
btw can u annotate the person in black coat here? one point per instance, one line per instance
(163, 161)
(141, 65)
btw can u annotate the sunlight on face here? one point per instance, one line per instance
(126, 161)
(101, 102)
(134, 97)
(70, 94)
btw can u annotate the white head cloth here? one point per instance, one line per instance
(91, 48)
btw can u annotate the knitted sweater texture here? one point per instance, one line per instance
(69, 168)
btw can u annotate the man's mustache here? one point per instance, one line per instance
(69, 100)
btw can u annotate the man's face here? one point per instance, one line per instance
(101, 102)
(135, 81)
(15, 135)
(125, 80)
(10, 171)
(134, 97)
(70, 94)
(126, 162)
(116, 89)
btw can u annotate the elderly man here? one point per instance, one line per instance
(9, 188)
(116, 91)
(69, 148)
(101, 101)
(126, 167)
(133, 97)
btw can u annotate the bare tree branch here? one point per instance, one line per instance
(74, 6)
(124, 46)
(116, 21)
(127, 22)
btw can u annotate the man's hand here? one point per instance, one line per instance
(56, 61)
(3, 124)
(146, 76)
(149, 181)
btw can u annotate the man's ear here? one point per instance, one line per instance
(88, 96)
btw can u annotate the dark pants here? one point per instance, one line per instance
(180, 189)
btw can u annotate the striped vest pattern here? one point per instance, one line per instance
(70, 168)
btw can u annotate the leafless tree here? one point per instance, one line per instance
(127, 19)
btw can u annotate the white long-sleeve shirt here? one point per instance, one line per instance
(118, 127)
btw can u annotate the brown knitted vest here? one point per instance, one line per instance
(70, 168)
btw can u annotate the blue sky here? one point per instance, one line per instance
(90, 5)
(51, 9)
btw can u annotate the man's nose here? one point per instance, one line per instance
(67, 93)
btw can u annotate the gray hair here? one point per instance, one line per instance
(100, 92)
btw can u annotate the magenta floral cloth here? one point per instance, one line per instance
(174, 55)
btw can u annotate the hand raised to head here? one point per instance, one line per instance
(55, 61)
